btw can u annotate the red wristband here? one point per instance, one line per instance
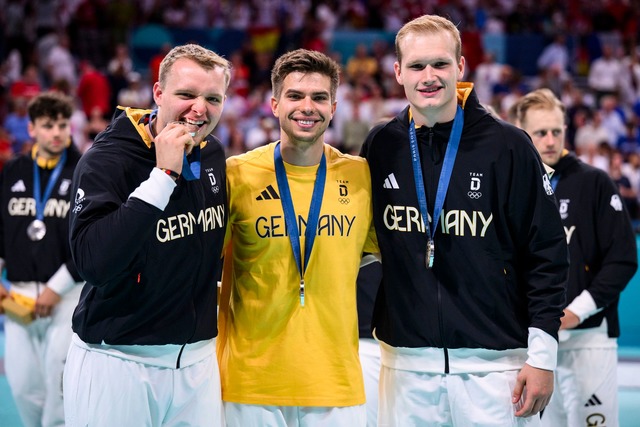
(173, 174)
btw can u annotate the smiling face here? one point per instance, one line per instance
(304, 108)
(193, 95)
(429, 73)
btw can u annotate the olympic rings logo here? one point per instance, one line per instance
(474, 194)
(344, 200)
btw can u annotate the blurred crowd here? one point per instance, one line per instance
(81, 47)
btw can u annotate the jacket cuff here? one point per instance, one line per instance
(583, 306)
(62, 281)
(156, 190)
(369, 259)
(542, 350)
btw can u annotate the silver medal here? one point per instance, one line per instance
(36, 230)
(431, 251)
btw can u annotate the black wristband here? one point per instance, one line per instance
(173, 174)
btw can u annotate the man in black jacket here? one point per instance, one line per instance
(34, 245)
(602, 248)
(147, 229)
(473, 253)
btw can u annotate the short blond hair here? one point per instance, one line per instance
(539, 99)
(429, 24)
(204, 57)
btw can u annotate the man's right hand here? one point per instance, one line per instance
(171, 144)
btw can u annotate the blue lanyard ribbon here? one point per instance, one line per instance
(191, 170)
(42, 199)
(554, 181)
(445, 175)
(290, 216)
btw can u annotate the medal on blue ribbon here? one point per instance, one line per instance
(443, 182)
(290, 215)
(37, 229)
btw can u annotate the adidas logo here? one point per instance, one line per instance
(18, 187)
(593, 401)
(391, 182)
(268, 193)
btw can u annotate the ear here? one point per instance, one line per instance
(461, 66)
(157, 93)
(396, 68)
(274, 107)
(32, 130)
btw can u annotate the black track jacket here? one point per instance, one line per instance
(602, 245)
(26, 260)
(151, 274)
(500, 251)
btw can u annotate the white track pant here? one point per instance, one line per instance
(34, 362)
(101, 390)
(369, 350)
(417, 399)
(585, 390)
(240, 415)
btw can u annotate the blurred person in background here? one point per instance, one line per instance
(94, 89)
(16, 123)
(136, 94)
(34, 248)
(354, 130)
(119, 71)
(28, 85)
(265, 132)
(553, 63)
(623, 182)
(488, 73)
(59, 63)
(605, 73)
(5, 147)
(603, 258)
